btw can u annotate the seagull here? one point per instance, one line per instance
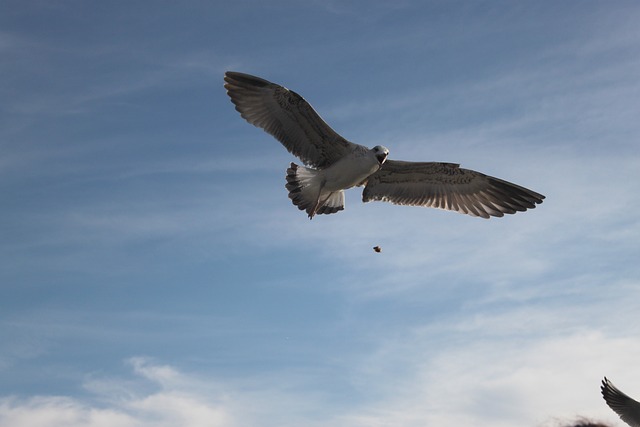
(626, 408)
(332, 164)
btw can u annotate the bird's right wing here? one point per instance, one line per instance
(447, 186)
(289, 118)
(627, 408)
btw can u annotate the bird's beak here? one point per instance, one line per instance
(381, 157)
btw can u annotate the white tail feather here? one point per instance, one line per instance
(305, 187)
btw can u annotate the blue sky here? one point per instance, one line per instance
(154, 273)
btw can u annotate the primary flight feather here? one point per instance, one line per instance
(334, 164)
(627, 408)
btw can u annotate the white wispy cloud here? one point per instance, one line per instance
(172, 403)
(523, 366)
(519, 367)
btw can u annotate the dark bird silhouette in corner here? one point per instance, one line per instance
(627, 408)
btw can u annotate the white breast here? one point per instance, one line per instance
(350, 171)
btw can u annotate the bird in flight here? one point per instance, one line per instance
(627, 408)
(333, 164)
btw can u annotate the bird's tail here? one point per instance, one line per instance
(305, 187)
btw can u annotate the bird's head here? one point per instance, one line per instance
(381, 153)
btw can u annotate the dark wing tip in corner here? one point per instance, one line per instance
(236, 78)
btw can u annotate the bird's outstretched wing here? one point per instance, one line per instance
(627, 408)
(447, 186)
(289, 118)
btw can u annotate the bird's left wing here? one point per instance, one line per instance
(627, 408)
(289, 118)
(447, 186)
